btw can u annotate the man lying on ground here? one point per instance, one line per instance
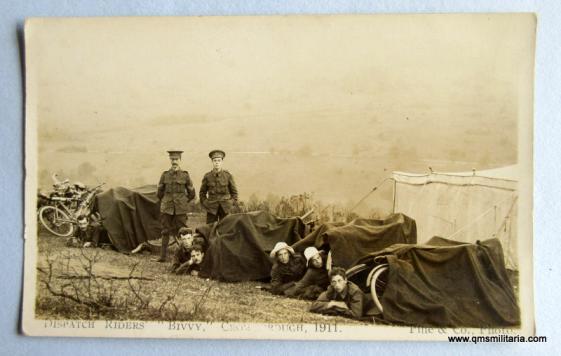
(315, 279)
(185, 245)
(87, 233)
(288, 268)
(343, 298)
(193, 266)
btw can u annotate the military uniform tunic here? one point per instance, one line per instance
(218, 190)
(358, 303)
(175, 190)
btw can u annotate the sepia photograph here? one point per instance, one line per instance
(333, 177)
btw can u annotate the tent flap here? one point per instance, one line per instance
(466, 206)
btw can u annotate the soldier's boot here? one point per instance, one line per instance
(164, 250)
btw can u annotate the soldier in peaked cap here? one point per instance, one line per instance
(175, 191)
(218, 193)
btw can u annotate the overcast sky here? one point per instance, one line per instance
(108, 71)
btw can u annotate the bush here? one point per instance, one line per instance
(299, 205)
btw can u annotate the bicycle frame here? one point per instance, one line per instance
(58, 203)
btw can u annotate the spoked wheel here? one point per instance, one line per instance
(56, 221)
(378, 283)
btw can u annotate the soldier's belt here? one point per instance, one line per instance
(175, 189)
(219, 198)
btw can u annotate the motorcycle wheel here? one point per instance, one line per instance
(56, 221)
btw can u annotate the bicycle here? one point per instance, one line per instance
(59, 219)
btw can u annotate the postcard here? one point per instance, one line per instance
(333, 177)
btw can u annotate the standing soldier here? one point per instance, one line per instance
(175, 191)
(218, 192)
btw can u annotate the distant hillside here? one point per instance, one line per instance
(338, 157)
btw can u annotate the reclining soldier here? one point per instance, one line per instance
(315, 279)
(87, 233)
(185, 246)
(288, 268)
(193, 266)
(343, 298)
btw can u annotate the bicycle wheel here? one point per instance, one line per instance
(378, 285)
(56, 221)
(369, 278)
(356, 269)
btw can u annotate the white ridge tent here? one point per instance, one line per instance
(466, 206)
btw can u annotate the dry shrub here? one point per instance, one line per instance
(76, 291)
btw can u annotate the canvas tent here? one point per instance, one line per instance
(130, 216)
(466, 206)
(239, 244)
(360, 237)
(447, 283)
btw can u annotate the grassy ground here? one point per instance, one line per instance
(132, 287)
(109, 292)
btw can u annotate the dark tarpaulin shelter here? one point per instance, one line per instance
(361, 237)
(130, 216)
(239, 245)
(449, 284)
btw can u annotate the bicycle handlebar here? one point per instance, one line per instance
(55, 198)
